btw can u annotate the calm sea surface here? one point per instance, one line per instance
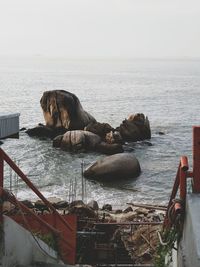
(167, 91)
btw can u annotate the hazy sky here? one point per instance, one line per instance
(100, 28)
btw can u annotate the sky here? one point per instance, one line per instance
(100, 28)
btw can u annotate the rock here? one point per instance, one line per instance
(142, 211)
(1, 143)
(27, 203)
(45, 131)
(39, 204)
(63, 109)
(7, 207)
(76, 203)
(61, 204)
(129, 209)
(118, 166)
(118, 211)
(98, 128)
(107, 207)
(77, 141)
(82, 211)
(82, 141)
(93, 204)
(109, 149)
(22, 129)
(135, 128)
(147, 143)
(114, 137)
(160, 133)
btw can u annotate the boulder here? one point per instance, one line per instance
(63, 109)
(109, 149)
(82, 141)
(118, 166)
(77, 141)
(107, 207)
(98, 128)
(93, 204)
(114, 137)
(135, 128)
(82, 210)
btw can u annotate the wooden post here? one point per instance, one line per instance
(196, 159)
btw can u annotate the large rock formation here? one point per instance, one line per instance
(135, 128)
(118, 166)
(63, 109)
(82, 141)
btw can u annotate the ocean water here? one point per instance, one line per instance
(167, 91)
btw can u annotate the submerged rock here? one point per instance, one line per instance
(118, 166)
(45, 131)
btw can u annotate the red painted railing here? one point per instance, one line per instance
(181, 179)
(64, 231)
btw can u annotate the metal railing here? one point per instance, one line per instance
(65, 243)
(177, 207)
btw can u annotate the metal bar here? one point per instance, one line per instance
(129, 223)
(31, 185)
(184, 163)
(14, 201)
(183, 184)
(24, 208)
(1, 185)
(82, 181)
(196, 159)
(147, 206)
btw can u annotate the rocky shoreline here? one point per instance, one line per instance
(134, 228)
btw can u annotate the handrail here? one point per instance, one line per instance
(5, 157)
(14, 201)
(24, 208)
(183, 173)
(181, 184)
(64, 232)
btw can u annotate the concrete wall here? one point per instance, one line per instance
(189, 247)
(21, 249)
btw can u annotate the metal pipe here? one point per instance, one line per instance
(184, 163)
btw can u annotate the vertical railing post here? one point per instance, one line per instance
(183, 177)
(1, 185)
(196, 159)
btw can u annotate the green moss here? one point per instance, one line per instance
(49, 239)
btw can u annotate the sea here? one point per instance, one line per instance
(165, 90)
